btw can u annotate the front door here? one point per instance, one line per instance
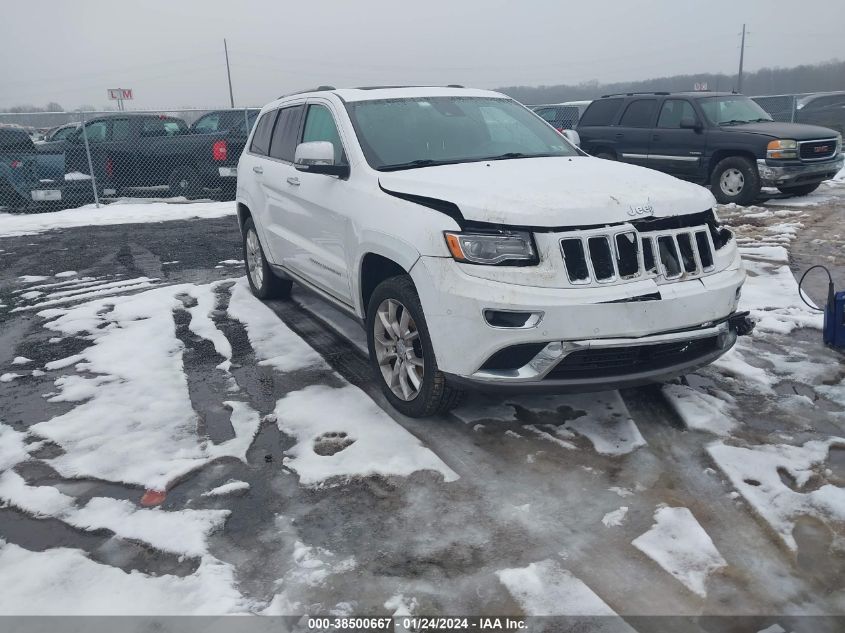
(673, 149)
(316, 220)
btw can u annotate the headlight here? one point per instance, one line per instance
(782, 148)
(838, 143)
(515, 248)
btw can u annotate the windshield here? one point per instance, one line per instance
(419, 132)
(733, 110)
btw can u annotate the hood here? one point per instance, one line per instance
(775, 129)
(551, 192)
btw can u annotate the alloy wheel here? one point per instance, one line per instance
(254, 260)
(398, 349)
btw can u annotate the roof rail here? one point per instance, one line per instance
(389, 87)
(300, 92)
(631, 94)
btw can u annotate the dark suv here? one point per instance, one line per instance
(723, 140)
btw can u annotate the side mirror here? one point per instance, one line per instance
(573, 137)
(690, 124)
(317, 157)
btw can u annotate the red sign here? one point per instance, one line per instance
(120, 94)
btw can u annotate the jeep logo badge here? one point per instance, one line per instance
(646, 209)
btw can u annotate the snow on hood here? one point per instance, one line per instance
(553, 191)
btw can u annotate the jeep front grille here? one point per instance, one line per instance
(605, 257)
(817, 150)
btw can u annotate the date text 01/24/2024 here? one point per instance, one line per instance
(419, 623)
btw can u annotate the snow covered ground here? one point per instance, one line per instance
(171, 445)
(124, 211)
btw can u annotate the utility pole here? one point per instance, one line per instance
(229, 72)
(741, 59)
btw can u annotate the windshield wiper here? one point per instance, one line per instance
(423, 162)
(734, 122)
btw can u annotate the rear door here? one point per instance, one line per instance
(251, 190)
(675, 150)
(278, 172)
(633, 133)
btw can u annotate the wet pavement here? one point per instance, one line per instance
(536, 479)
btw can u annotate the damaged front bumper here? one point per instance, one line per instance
(772, 175)
(615, 363)
(491, 334)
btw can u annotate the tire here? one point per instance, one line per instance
(800, 190)
(432, 394)
(185, 181)
(606, 155)
(735, 180)
(262, 280)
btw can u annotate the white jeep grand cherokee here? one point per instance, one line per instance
(480, 248)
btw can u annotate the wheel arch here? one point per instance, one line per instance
(379, 262)
(721, 154)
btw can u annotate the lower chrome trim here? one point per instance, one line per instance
(553, 353)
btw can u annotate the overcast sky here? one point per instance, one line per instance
(171, 52)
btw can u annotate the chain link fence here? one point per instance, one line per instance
(54, 160)
(816, 108)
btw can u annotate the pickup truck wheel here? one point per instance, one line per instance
(262, 280)
(185, 181)
(735, 179)
(800, 190)
(401, 353)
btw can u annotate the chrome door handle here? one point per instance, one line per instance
(258, 169)
(293, 180)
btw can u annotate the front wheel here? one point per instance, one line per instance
(800, 190)
(401, 353)
(262, 280)
(735, 180)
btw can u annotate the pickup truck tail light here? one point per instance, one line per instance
(219, 150)
(109, 167)
(16, 164)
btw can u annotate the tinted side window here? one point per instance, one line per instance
(15, 140)
(601, 112)
(639, 113)
(121, 129)
(208, 123)
(320, 126)
(285, 133)
(673, 112)
(261, 138)
(97, 132)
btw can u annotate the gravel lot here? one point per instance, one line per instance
(169, 445)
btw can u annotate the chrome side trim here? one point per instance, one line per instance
(685, 159)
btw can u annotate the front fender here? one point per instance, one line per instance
(391, 247)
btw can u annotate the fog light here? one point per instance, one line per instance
(512, 319)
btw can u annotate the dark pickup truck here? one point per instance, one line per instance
(31, 180)
(723, 140)
(153, 150)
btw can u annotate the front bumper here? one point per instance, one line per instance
(798, 174)
(573, 319)
(538, 375)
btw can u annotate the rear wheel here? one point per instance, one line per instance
(735, 180)
(401, 353)
(262, 280)
(800, 190)
(185, 181)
